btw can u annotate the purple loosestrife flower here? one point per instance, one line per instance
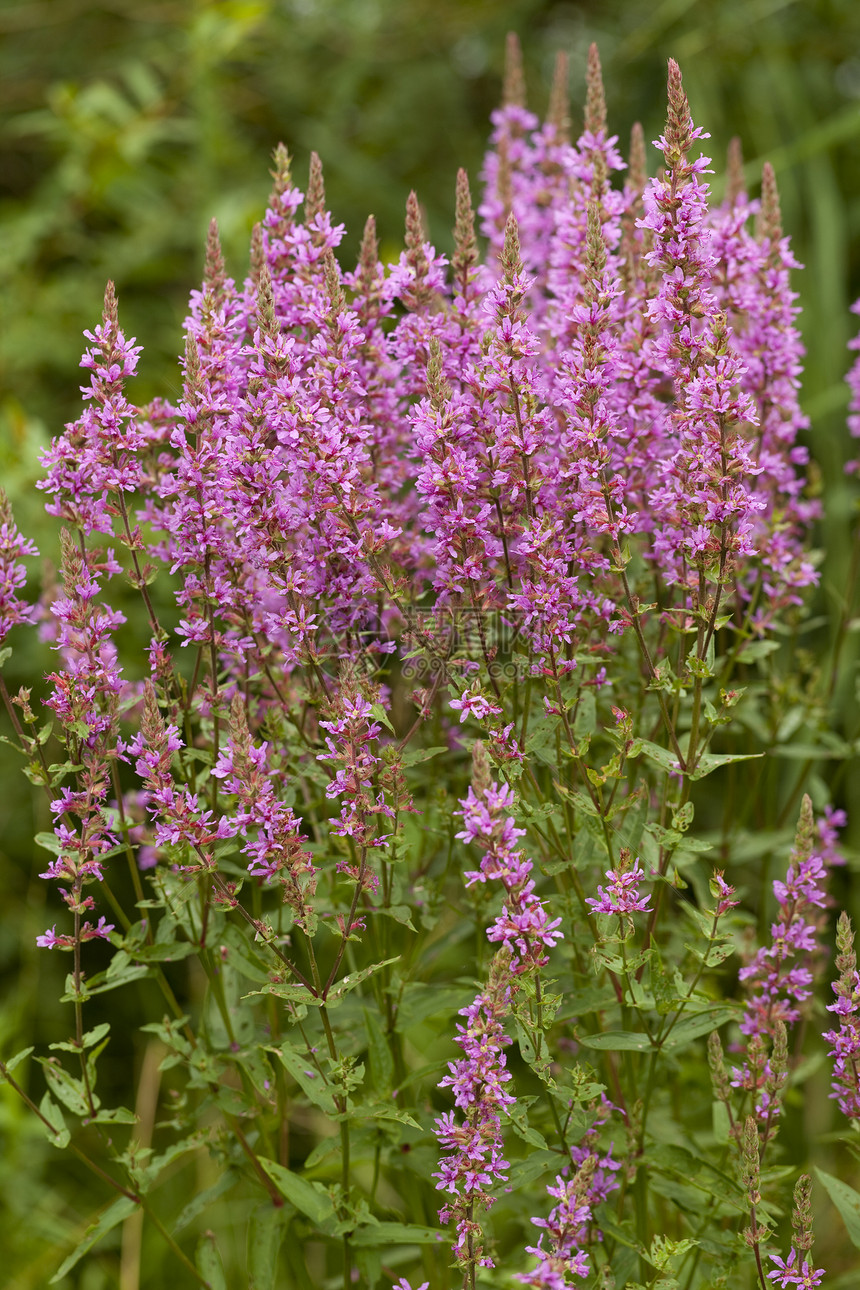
(798, 1269)
(758, 297)
(570, 1223)
(476, 1161)
(538, 556)
(97, 458)
(853, 379)
(276, 853)
(451, 479)
(565, 1228)
(510, 170)
(351, 732)
(540, 192)
(195, 510)
(524, 932)
(179, 819)
(621, 896)
(775, 989)
(84, 700)
(791, 1272)
(519, 426)
(828, 825)
(846, 1040)
(475, 704)
(51, 941)
(703, 506)
(302, 463)
(523, 926)
(418, 279)
(588, 166)
(590, 490)
(377, 380)
(13, 575)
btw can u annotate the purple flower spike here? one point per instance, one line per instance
(13, 575)
(846, 1040)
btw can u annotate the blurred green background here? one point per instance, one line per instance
(126, 125)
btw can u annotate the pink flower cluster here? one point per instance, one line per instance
(13, 574)
(523, 926)
(614, 388)
(524, 933)
(846, 1039)
(853, 379)
(775, 988)
(621, 896)
(349, 739)
(570, 1224)
(779, 977)
(476, 1162)
(794, 1271)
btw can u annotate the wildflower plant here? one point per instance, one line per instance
(456, 581)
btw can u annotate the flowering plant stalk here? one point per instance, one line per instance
(445, 679)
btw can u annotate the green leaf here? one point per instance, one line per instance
(617, 1041)
(712, 954)
(722, 1125)
(310, 1081)
(420, 1002)
(242, 954)
(838, 751)
(663, 757)
(265, 1234)
(388, 1113)
(400, 913)
(380, 715)
(90, 1039)
(538, 1164)
(104, 981)
(696, 1172)
(149, 1175)
(205, 1198)
(15, 1061)
(673, 839)
(846, 1200)
(65, 1087)
(289, 992)
(621, 1234)
(522, 1128)
(757, 649)
(259, 1070)
(209, 1263)
(48, 842)
(541, 740)
(168, 952)
(709, 762)
(116, 1213)
(117, 1115)
(309, 1198)
(379, 1054)
(381, 1234)
(415, 755)
(60, 1137)
(700, 1023)
(352, 979)
(297, 1276)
